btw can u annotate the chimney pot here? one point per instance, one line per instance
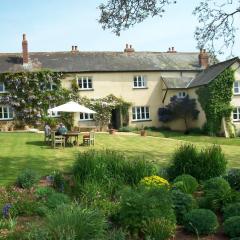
(72, 48)
(76, 48)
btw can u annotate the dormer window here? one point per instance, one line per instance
(139, 82)
(181, 94)
(236, 88)
(85, 83)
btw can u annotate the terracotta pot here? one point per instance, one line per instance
(112, 131)
(143, 133)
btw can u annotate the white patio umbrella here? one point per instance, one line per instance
(72, 107)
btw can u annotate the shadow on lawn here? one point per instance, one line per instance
(38, 143)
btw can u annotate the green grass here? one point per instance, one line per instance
(27, 150)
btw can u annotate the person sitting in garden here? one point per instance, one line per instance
(61, 130)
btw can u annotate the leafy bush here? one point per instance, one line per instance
(231, 210)
(232, 227)
(186, 183)
(43, 192)
(27, 179)
(117, 234)
(233, 177)
(209, 163)
(56, 199)
(182, 203)
(184, 160)
(201, 222)
(106, 165)
(74, 222)
(141, 207)
(160, 229)
(154, 181)
(59, 182)
(217, 192)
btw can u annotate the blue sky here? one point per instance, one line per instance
(56, 25)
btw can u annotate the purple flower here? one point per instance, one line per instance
(5, 210)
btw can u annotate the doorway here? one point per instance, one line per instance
(116, 119)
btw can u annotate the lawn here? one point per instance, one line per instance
(27, 150)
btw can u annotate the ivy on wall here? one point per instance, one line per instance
(215, 99)
(31, 94)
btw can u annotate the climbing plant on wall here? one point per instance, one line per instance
(31, 94)
(104, 107)
(215, 99)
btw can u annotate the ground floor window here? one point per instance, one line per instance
(181, 94)
(140, 113)
(86, 116)
(54, 114)
(6, 113)
(236, 114)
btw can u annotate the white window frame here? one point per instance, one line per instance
(140, 113)
(236, 86)
(139, 81)
(50, 88)
(86, 117)
(182, 94)
(236, 112)
(54, 114)
(4, 88)
(80, 82)
(9, 112)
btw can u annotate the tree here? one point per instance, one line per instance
(179, 108)
(217, 19)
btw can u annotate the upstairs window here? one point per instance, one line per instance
(236, 114)
(86, 116)
(6, 113)
(49, 86)
(181, 95)
(140, 113)
(2, 87)
(139, 82)
(85, 83)
(236, 87)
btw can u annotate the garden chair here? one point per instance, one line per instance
(89, 139)
(57, 140)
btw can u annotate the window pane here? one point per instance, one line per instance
(138, 113)
(1, 113)
(89, 83)
(139, 81)
(80, 83)
(142, 112)
(84, 83)
(1, 87)
(81, 115)
(5, 112)
(135, 81)
(91, 116)
(236, 90)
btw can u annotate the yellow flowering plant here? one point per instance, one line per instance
(154, 181)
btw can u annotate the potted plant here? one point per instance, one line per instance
(143, 132)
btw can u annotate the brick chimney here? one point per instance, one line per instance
(171, 50)
(129, 49)
(25, 54)
(203, 58)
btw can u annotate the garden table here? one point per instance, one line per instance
(72, 136)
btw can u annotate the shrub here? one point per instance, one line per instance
(232, 227)
(43, 192)
(56, 199)
(184, 160)
(142, 206)
(231, 210)
(201, 222)
(213, 163)
(209, 163)
(27, 179)
(59, 182)
(233, 177)
(117, 234)
(154, 181)
(186, 183)
(106, 165)
(74, 222)
(182, 203)
(217, 192)
(160, 229)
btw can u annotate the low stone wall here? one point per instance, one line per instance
(6, 126)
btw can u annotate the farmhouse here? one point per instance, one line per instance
(145, 79)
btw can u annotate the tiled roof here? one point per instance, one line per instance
(104, 61)
(211, 73)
